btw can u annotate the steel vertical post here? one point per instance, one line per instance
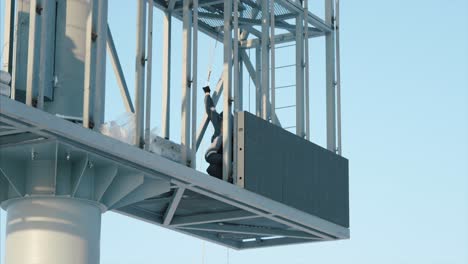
(330, 76)
(306, 66)
(300, 76)
(258, 84)
(149, 75)
(100, 75)
(89, 63)
(95, 65)
(166, 75)
(140, 72)
(8, 33)
(186, 80)
(17, 49)
(265, 60)
(272, 62)
(193, 150)
(33, 54)
(236, 83)
(236, 56)
(338, 74)
(241, 84)
(227, 84)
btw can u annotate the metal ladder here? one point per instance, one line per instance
(285, 86)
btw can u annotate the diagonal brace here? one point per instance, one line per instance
(115, 61)
(173, 206)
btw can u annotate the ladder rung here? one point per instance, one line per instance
(285, 46)
(284, 86)
(284, 107)
(285, 66)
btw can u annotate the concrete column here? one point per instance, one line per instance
(52, 230)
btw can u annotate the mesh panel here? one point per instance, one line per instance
(248, 9)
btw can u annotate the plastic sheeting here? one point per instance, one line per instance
(123, 128)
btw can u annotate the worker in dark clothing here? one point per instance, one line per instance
(214, 154)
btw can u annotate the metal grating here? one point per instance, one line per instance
(213, 15)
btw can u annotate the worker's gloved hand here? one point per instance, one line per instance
(206, 89)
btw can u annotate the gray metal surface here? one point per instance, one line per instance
(293, 171)
(197, 205)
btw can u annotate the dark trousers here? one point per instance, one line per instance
(216, 165)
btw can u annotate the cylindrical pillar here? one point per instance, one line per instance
(70, 53)
(52, 230)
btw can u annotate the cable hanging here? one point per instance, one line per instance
(212, 56)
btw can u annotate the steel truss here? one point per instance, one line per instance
(145, 186)
(237, 218)
(251, 24)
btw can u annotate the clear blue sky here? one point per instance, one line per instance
(405, 132)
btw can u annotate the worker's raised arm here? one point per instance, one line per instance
(209, 105)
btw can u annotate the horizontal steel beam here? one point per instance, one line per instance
(291, 28)
(189, 220)
(152, 218)
(271, 242)
(250, 230)
(279, 39)
(242, 20)
(201, 3)
(11, 132)
(311, 18)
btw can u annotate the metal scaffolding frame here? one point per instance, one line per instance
(240, 25)
(258, 20)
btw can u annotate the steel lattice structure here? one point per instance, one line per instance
(55, 166)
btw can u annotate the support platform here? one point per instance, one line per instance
(146, 186)
(211, 18)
